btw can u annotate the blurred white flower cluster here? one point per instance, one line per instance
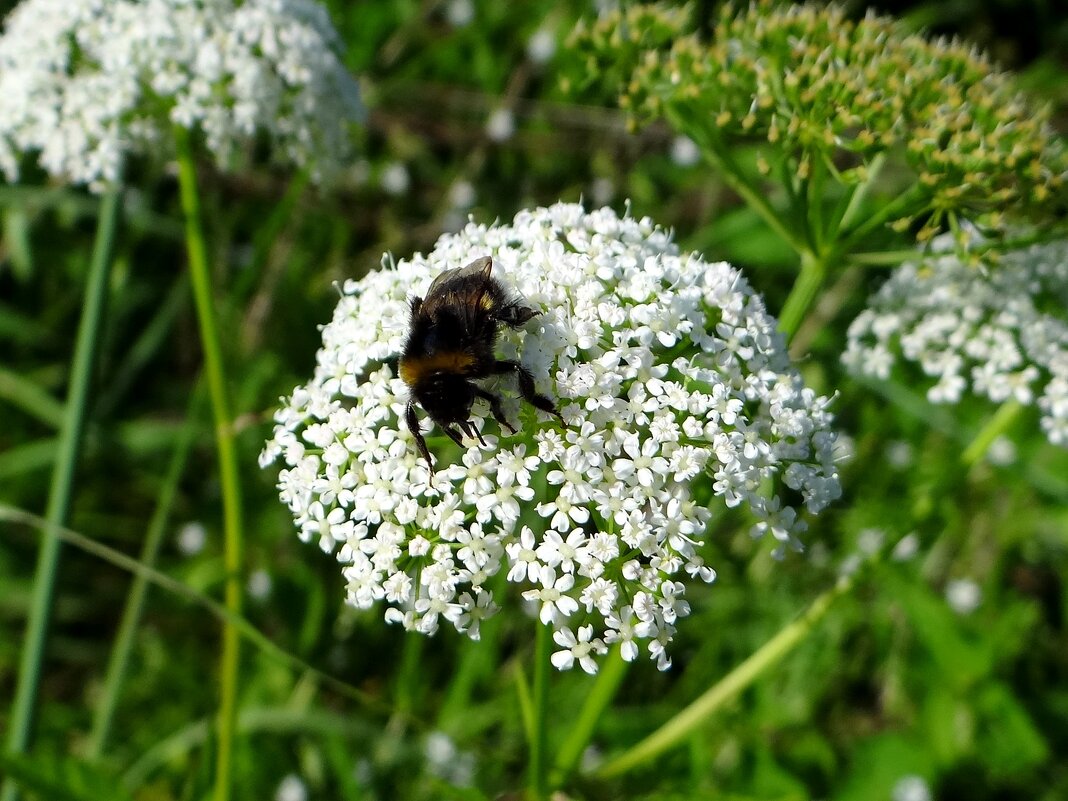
(85, 83)
(1000, 332)
(679, 399)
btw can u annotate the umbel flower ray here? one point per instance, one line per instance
(674, 385)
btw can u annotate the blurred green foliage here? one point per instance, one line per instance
(893, 683)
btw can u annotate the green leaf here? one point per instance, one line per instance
(1008, 739)
(30, 397)
(61, 778)
(881, 762)
(962, 661)
(949, 725)
(16, 228)
(772, 780)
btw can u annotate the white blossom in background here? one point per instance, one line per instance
(679, 400)
(462, 194)
(963, 596)
(684, 152)
(541, 46)
(911, 788)
(999, 332)
(395, 179)
(86, 83)
(447, 762)
(500, 126)
(291, 788)
(192, 537)
(460, 13)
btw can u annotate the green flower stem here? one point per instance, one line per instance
(814, 197)
(860, 192)
(910, 201)
(131, 616)
(886, 258)
(20, 722)
(832, 298)
(219, 393)
(688, 720)
(994, 428)
(894, 258)
(540, 708)
(803, 293)
(526, 704)
(600, 696)
(406, 695)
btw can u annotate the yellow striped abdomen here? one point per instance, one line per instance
(414, 369)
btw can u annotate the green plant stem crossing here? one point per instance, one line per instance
(218, 390)
(20, 723)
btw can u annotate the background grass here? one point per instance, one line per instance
(892, 683)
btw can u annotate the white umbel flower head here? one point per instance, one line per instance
(999, 332)
(85, 83)
(679, 401)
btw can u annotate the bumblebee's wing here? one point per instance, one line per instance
(465, 292)
(461, 281)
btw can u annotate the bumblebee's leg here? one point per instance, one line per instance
(453, 435)
(413, 426)
(515, 314)
(495, 407)
(472, 431)
(526, 386)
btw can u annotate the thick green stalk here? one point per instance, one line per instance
(994, 428)
(910, 201)
(859, 193)
(131, 615)
(683, 724)
(610, 676)
(803, 293)
(20, 721)
(219, 392)
(536, 780)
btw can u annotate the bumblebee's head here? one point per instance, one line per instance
(447, 397)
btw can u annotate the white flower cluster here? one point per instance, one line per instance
(678, 397)
(1000, 332)
(84, 83)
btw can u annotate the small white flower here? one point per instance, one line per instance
(448, 762)
(963, 596)
(622, 629)
(460, 13)
(911, 788)
(541, 46)
(462, 195)
(672, 380)
(192, 537)
(291, 788)
(684, 152)
(259, 585)
(556, 604)
(581, 649)
(501, 125)
(602, 190)
(906, 548)
(395, 179)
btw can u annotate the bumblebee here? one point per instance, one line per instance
(451, 344)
